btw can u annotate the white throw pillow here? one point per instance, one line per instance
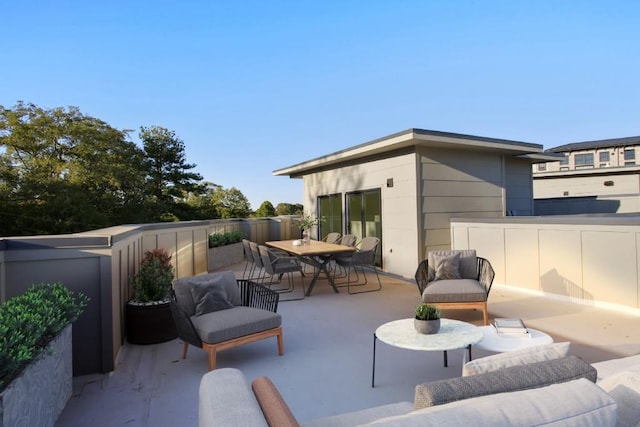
(624, 387)
(538, 353)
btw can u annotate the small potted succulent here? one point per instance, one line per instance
(427, 319)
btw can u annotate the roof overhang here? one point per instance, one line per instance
(417, 138)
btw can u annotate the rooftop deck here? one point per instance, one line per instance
(326, 368)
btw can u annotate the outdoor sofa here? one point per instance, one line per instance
(537, 386)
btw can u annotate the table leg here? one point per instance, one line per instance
(373, 370)
(470, 359)
(446, 361)
(322, 267)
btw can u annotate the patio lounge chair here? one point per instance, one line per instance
(217, 312)
(456, 280)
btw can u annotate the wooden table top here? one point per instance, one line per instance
(314, 247)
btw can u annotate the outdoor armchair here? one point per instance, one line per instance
(455, 280)
(217, 312)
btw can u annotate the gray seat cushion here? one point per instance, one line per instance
(454, 290)
(224, 325)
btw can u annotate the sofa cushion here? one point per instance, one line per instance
(624, 387)
(532, 375)
(274, 408)
(538, 353)
(182, 287)
(225, 399)
(209, 296)
(235, 322)
(468, 264)
(362, 416)
(576, 403)
(455, 290)
(447, 266)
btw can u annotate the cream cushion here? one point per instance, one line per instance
(523, 356)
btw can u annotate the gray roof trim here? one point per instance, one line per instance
(408, 138)
(590, 145)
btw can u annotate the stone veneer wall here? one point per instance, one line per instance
(38, 396)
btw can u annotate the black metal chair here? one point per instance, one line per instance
(248, 313)
(470, 292)
(365, 256)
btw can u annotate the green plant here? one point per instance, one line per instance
(427, 312)
(225, 238)
(30, 321)
(307, 222)
(153, 281)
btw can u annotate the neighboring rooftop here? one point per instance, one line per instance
(591, 145)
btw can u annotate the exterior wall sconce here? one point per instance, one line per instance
(389, 182)
(609, 183)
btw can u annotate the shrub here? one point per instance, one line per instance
(226, 238)
(30, 321)
(153, 280)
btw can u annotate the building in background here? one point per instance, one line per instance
(589, 177)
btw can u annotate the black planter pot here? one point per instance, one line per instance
(149, 323)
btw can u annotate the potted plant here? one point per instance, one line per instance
(36, 377)
(306, 223)
(148, 314)
(225, 248)
(427, 319)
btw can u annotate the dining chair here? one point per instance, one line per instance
(276, 265)
(365, 256)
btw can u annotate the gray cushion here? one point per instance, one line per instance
(208, 297)
(468, 264)
(532, 375)
(447, 266)
(185, 298)
(454, 290)
(578, 403)
(224, 325)
(226, 399)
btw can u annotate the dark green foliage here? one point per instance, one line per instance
(227, 238)
(30, 321)
(153, 280)
(427, 312)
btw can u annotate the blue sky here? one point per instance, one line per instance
(254, 86)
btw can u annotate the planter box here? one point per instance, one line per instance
(224, 256)
(150, 323)
(38, 396)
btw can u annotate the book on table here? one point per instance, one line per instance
(510, 326)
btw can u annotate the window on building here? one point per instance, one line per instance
(604, 159)
(584, 160)
(629, 157)
(542, 167)
(564, 161)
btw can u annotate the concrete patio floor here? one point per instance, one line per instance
(327, 365)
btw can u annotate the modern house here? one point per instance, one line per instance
(589, 177)
(404, 188)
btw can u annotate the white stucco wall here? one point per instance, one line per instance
(399, 204)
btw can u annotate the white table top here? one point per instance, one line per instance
(453, 334)
(500, 343)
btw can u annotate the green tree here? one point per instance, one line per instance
(266, 209)
(168, 174)
(289, 209)
(62, 171)
(231, 203)
(204, 203)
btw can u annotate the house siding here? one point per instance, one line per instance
(399, 203)
(455, 183)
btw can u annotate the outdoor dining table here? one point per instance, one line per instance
(316, 253)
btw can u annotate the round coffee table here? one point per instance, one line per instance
(453, 334)
(492, 341)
